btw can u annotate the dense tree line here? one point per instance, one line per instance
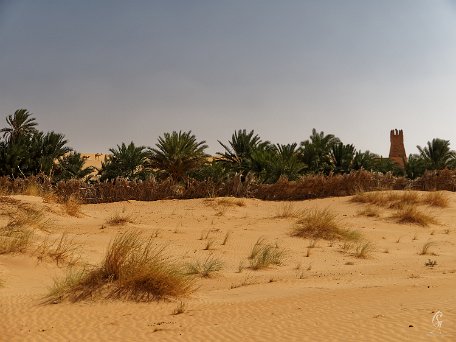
(26, 151)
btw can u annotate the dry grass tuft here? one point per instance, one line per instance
(402, 199)
(9, 201)
(25, 216)
(364, 250)
(425, 249)
(264, 254)
(286, 210)
(346, 247)
(17, 235)
(133, 268)
(436, 199)
(15, 240)
(374, 197)
(409, 198)
(204, 268)
(430, 263)
(412, 215)
(370, 211)
(389, 199)
(32, 189)
(180, 308)
(61, 250)
(50, 197)
(248, 280)
(72, 206)
(231, 202)
(322, 224)
(119, 220)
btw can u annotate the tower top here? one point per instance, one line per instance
(395, 132)
(397, 149)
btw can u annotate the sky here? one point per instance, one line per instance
(107, 72)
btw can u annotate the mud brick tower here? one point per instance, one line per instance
(397, 149)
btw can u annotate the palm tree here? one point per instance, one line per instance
(20, 123)
(126, 161)
(415, 166)
(238, 155)
(275, 161)
(15, 159)
(342, 157)
(437, 154)
(71, 166)
(178, 153)
(315, 152)
(364, 160)
(51, 147)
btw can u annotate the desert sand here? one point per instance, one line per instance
(93, 159)
(328, 295)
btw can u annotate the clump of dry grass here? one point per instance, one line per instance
(425, 249)
(204, 268)
(436, 199)
(411, 214)
(221, 205)
(61, 250)
(9, 201)
(17, 235)
(374, 197)
(390, 199)
(26, 216)
(50, 197)
(430, 263)
(180, 308)
(15, 239)
(32, 189)
(248, 280)
(286, 210)
(401, 200)
(408, 197)
(265, 254)
(231, 202)
(346, 247)
(364, 250)
(119, 220)
(133, 268)
(72, 206)
(322, 224)
(370, 211)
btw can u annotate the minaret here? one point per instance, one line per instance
(397, 149)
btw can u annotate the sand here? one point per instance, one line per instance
(93, 159)
(329, 295)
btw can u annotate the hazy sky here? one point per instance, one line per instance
(104, 72)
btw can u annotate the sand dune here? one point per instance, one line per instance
(93, 159)
(329, 295)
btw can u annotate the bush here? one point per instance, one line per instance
(204, 268)
(13, 240)
(264, 254)
(321, 224)
(412, 215)
(132, 269)
(436, 199)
